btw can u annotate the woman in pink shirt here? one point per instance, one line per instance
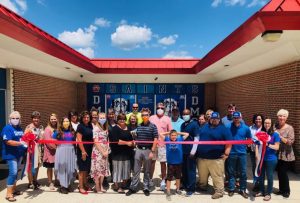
(50, 149)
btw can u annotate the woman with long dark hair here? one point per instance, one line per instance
(65, 157)
(270, 160)
(84, 151)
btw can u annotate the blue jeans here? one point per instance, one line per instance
(13, 166)
(267, 169)
(232, 161)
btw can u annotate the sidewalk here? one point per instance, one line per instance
(44, 195)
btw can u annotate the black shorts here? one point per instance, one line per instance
(48, 165)
(174, 170)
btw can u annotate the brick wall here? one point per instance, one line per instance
(82, 97)
(44, 94)
(265, 92)
(210, 96)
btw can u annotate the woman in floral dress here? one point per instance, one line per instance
(100, 164)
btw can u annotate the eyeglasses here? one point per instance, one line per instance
(135, 107)
(15, 118)
(144, 115)
(160, 108)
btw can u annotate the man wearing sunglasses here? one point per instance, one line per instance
(135, 111)
(146, 138)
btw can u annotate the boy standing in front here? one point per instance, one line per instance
(174, 158)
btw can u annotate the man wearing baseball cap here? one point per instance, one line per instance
(237, 160)
(212, 157)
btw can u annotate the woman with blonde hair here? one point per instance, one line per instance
(286, 153)
(49, 149)
(13, 149)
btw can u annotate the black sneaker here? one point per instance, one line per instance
(244, 194)
(286, 194)
(278, 193)
(63, 190)
(130, 192)
(30, 186)
(146, 192)
(230, 193)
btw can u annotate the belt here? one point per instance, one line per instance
(143, 148)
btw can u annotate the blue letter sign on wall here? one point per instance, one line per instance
(122, 96)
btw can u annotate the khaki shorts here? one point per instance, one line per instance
(161, 154)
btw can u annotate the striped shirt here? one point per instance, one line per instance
(146, 132)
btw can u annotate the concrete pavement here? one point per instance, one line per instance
(44, 195)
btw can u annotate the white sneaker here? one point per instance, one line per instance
(162, 186)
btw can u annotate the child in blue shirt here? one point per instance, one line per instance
(174, 158)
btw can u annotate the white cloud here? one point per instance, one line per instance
(88, 51)
(168, 40)
(42, 2)
(123, 22)
(252, 3)
(80, 38)
(216, 3)
(235, 2)
(178, 55)
(257, 2)
(18, 6)
(102, 22)
(128, 37)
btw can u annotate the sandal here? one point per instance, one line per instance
(267, 198)
(259, 194)
(10, 199)
(17, 193)
(121, 191)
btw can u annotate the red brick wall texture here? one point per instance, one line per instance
(44, 94)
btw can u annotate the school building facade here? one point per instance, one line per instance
(257, 67)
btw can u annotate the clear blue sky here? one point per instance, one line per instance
(138, 28)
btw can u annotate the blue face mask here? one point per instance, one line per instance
(102, 121)
(186, 117)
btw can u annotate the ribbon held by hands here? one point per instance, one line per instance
(263, 139)
(31, 158)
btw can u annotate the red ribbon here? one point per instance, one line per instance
(29, 138)
(246, 142)
(264, 138)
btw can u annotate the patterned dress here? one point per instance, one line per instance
(100, 164)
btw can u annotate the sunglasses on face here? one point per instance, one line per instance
(160, 108)
(144, 115)
(135, 107)
(15, 118)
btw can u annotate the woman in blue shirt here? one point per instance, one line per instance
(270, 161)
(12, 151)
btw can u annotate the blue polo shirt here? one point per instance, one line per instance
(271, 154)
(174, 151)
(242, 132)
(209, 133)
(192, 128)
(12, 133)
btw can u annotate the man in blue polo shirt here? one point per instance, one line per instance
(212, 157)
(238, 155)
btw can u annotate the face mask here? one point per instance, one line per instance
(160, 112)
(102, 121)
(15, 122)
(66, 124)
(145, 119)
(186, 117)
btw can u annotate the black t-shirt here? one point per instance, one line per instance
(87, 136)
(120, 152)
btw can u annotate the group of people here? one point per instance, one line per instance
(96, 145)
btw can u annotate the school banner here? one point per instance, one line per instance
(122, 96)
